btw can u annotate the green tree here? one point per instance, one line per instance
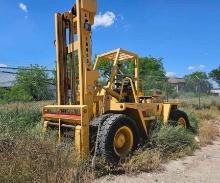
(197, 82)
(153, 75)
(151, 72)
(32, 83)
(3, 94)
(104, 68)
(17, 94)
(150, 66)
(197, 75)
(215, 75)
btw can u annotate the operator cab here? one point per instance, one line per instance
(119, 74)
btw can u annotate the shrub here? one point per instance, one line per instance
(17, 94)
(194, 122)
(19, 119)
(145, 160)
(173, 140)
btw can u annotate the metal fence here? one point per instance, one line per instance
(41, 86)
(191, 90)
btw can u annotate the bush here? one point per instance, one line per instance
(194, 122)
(171, 141)
(18, 120)
(16, 94)
(145, 160)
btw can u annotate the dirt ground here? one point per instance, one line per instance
(203, 167)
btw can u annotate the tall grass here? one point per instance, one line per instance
(19, 119)
(27, 157)
(30, 159)
(207, 132)
(207, 122)
(174, 141)
(144, 160)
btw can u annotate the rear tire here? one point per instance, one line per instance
(119, 136)
(179, 118)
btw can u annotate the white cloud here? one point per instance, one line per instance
(191, 68)
(105, 20)
(197, 67)
(170, 74)
(23, 7)
(3, 65)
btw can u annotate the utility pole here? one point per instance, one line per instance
(199, 92)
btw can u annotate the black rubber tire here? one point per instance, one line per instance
(94, 124)
(107, 133)
(175, 115)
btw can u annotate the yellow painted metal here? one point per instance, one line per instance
(114, 94)
(45, 125)
(152, 106)
(78, 145)
(85, 131)
(62, 107)
(59, 130)
(82, 134)
(80, 98)
(90, 6)
(136, 70)
(69, 91)
(182, 122)
(59, 55)
(124, 55)
(144, 124)
(166, 112)
(114, 70)
(123, 141)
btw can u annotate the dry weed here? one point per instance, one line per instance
(206, 114)
(29, 159)
(143, 161)
(207, 132)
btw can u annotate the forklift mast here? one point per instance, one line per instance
(75, 75)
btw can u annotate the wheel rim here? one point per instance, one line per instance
(123, 141)
(182, 122)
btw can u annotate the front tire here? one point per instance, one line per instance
(119, 136)
(94, 127)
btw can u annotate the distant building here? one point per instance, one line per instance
(7, 80)
(179, 83)
(215, 91)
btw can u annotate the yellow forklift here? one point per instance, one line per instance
(112, 118)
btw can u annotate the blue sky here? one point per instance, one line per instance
(186, 33)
